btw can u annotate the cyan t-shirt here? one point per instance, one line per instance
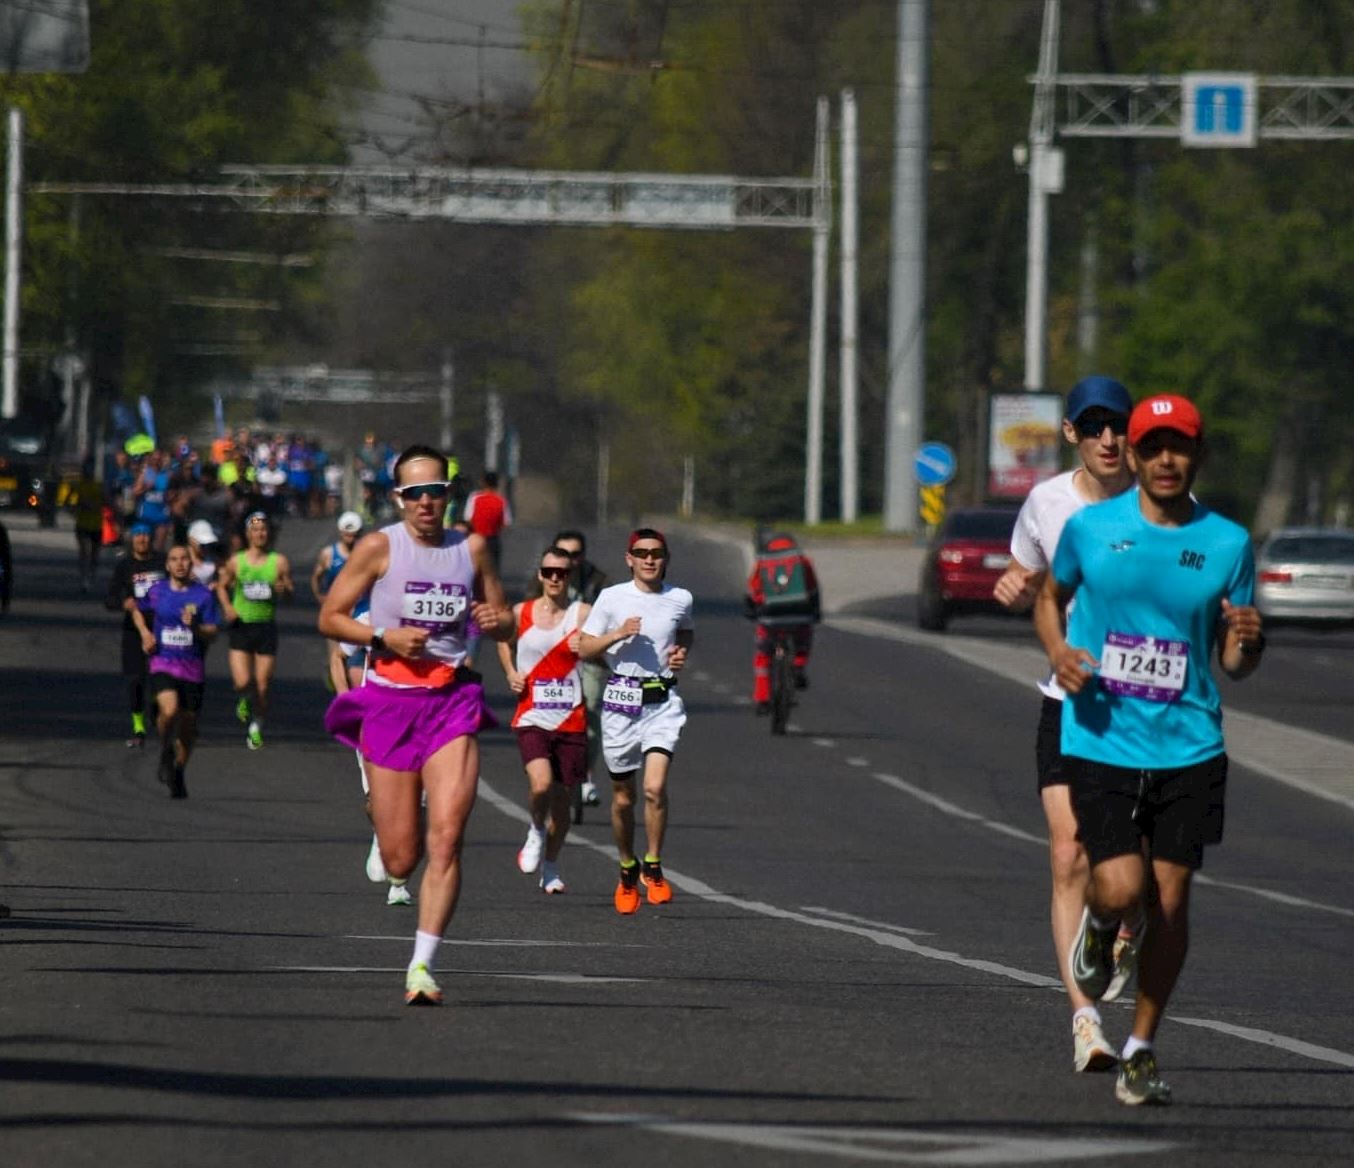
(1148, 601)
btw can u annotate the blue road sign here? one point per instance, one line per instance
(934, 464)
(1217, 109)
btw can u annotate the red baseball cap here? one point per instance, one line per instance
(1166, 411)
(646, 533)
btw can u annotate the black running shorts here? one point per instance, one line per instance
(1048, 744)
(190, 692)
(259, 637)
(1179, 811)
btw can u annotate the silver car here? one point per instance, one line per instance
(1306, 573)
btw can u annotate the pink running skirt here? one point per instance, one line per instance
(403, 728)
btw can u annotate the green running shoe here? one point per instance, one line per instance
(1139, 1082)
(254, 738)
(420, 989)
(242, 710)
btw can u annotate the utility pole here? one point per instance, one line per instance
(1045, 164)
(813, 463)
(907, 271)
(9, 377)
(850, 468)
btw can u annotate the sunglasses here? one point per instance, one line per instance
(555, 573)
(418, 491)
(649, 553)
(1094, 427)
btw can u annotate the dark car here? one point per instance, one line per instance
(963, 563)
(27, 481)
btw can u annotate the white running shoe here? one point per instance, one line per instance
(376, 869)
(1127, 946)
(398, 896)
(1091, 1050)
(552, 884)
(529, 858)
(589, 793)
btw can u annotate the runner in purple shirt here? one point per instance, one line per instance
(185, 618)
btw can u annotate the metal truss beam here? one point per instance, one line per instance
(520, 197)
(1094, 105)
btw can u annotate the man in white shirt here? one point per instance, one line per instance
(1096, 423)
(643, 630)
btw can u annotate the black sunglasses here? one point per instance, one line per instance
(657, 553)
(555, 573)
(423, 491)
(1093, 427)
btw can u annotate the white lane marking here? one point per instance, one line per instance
(843, 916)
(857, 761)
(826, 743)
(948, 808)
(510, 975)
(701, 675)
(500, 942)
(892, 941)
(1293, 1045)
(889, 1145)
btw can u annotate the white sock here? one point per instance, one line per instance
(398, 882)
(1087, 1012)
(1132, 1046)
(425, 949)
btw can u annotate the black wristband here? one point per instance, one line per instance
(378, 642)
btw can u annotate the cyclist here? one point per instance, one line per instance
(782, 591)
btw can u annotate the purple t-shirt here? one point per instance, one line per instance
(177, 651)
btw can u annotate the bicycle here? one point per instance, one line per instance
(782, 675)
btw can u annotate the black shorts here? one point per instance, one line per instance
(1178, 811)
(260, 638)
(1048, 744)
(190, 692)
(567, 751)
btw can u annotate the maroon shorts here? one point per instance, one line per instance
(567, 751)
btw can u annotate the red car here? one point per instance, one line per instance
(965, 559)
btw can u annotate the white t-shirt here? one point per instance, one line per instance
(662, 615)
(1038, 528)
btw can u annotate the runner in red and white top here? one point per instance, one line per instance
(487, 513)
(551, 719)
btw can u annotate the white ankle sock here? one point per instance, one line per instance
(1087, 1012)
(425, 949)
(1132, 1046)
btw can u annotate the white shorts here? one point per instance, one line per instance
(625, 740)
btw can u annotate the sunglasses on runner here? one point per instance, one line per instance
(649, 553)
(418, 491)
(555, 573)
(1094, 426)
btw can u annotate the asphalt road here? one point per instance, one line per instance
(856, 967)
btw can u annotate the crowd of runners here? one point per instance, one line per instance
(1135, 587)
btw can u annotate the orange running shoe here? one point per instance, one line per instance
(627, 891)
(659, 891)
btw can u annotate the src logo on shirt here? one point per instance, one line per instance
(1189, 559)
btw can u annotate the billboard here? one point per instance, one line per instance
(1024, 442)
(44, 36)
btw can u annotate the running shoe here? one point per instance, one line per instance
(658, 890)
(242, 711)
(1127, 946)
(398, 896)
(376, 869)
(254, 737)
(529, 858)
(1091, 961)
(626, 898)
(553, 884)
(136, 741)
(1139, 1082)
(420, 989)
(1091, 1051)
(589, 793)
(178, 789)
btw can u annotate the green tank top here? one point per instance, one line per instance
(255, 585)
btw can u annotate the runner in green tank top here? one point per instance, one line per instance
(248, 588)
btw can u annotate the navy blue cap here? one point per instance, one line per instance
(1105, 392)
(142, 529)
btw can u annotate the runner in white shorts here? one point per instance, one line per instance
(644, 630)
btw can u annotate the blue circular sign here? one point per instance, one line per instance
(934, 464)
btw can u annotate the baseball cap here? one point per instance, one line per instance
(350, 521)
(142, 529)
(1166, 411)
(201, 531)
(255, 517)
(1104, 392)
(645, 533)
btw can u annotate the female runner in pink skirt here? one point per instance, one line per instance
(415, 719)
